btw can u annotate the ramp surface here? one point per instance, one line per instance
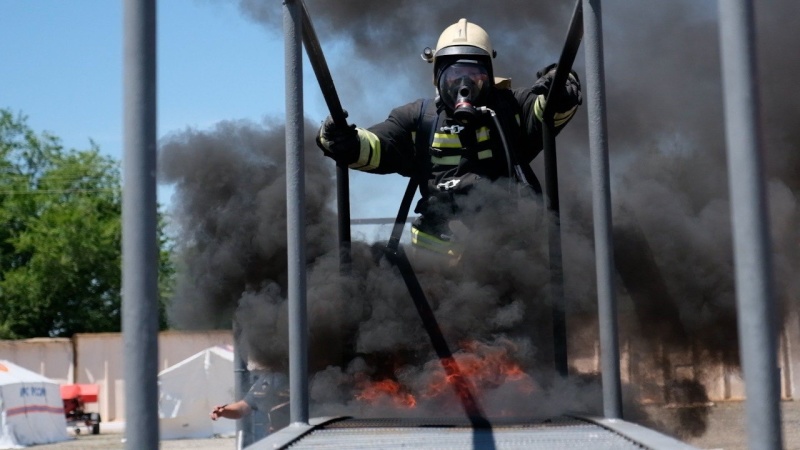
(389, 434)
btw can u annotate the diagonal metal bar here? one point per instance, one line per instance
(556, 285)
(455, 376)
(395, 254)
(323, 74)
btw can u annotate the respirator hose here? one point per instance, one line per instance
(509, 165)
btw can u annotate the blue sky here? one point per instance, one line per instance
(61, 65)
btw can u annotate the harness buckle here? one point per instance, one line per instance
(454, 129)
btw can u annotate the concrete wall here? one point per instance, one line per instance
(98, 359)
(51, 357)
(654, 372)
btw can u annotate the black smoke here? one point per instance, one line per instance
(230, 221)
(669, 190)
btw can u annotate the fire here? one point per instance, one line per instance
(492, 365)
(387, 388)
(477, 368)
(484, 367)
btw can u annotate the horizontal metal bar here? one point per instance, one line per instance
(378, 221)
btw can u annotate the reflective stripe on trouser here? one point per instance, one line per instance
(421, 239)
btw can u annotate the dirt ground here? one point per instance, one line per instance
(725, 429)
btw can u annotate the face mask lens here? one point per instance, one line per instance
(461, 82)
(458, 74)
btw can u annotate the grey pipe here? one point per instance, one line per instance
(754, 291)
(601, 207)
(139, 219)
(295, 214)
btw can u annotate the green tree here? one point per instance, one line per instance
(60, 237)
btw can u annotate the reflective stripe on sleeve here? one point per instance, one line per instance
(369, 156)
(538, 107)
(562, 118)
(558, 118)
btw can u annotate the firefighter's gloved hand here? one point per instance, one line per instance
(338, 142)
(567, 100)
(572, 87)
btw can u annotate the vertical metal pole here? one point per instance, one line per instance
(295, 214)
(754, 291)
(601, 206)
(139, 241)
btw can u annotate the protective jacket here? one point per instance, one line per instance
(457, 156)
(270, 395)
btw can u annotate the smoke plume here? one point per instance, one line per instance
(671, 211)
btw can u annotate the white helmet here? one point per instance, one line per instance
(462, 68)
(462, 39)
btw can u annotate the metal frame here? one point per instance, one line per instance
(755, 296)
(637, 433)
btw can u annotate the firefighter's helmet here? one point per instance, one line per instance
(462, 69)
(461, 40)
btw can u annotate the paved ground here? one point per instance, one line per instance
(726, 427)
(114, 442)
(725, 430)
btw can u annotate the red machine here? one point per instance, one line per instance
(75, 396)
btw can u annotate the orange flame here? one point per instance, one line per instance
(477, 368)
(387, 388)
(484, 366)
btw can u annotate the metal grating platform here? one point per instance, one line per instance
(441, 434)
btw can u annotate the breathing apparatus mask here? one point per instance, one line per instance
(463, 86)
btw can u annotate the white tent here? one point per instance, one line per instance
(190, 389)
(31, 409)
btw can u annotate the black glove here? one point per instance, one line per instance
(567, 99)
(339, 142)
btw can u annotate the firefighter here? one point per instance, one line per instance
(269, 394)
(474, 131)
